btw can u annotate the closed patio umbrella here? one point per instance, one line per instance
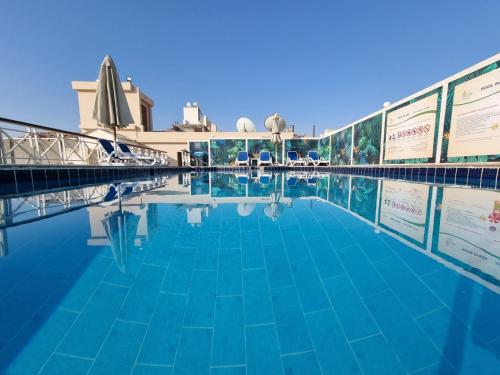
(111, 109)
(275, 124)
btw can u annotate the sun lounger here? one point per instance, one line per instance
(125, 150)
(314, 159)
(242, 158)
(111, 195)
(292, 159)
(111, 156)
(265, 179)
(312, 179)
(242, 179)
(291, 181)
(264, 158)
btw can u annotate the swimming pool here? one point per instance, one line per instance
(258, 273)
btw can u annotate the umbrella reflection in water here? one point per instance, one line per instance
(121, 230)
(274, 209)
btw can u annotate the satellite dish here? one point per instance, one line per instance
(245, 125)
(188, 105)
(275, 123)
(195, 104)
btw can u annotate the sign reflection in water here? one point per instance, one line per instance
(456, 226)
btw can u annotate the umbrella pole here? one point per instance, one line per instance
(114, 141)
(119, 198)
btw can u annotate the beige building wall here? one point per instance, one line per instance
(174, 142)
(141, 107)
(171, 142)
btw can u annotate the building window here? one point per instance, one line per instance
(145, 121)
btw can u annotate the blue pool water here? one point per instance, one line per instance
(251, 274)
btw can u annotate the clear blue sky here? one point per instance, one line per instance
(316, 62)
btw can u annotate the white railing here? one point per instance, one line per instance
(22, 143)
(14, 211)
(20, 209)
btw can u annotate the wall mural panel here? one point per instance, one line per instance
(364, 197)
(198, 150)
(299, 185)
(227, 185)
(472, 118)
(224, 151)
(323, 187)
(263, 184)
(200, 183)
(302, 146)
(255, 146)
(367, 137)
(324, 148)
(341, 147)
(411, 130)
(339, 190)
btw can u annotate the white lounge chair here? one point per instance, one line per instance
(242, 179)
(264, 158)
(314, 159)
(292, 159)
(125, 150)
(242, 158)
(111, 157)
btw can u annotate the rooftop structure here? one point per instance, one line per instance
(194, 120)
(174, 140)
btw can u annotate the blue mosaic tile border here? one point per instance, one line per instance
(484, 177)
(27, 180)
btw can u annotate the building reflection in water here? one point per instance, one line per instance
(455, 226)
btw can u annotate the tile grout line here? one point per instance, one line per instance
(403, 305)
(331, 305)
(269, 294)
(215, 299)
(152, 315)
(242, 277)
(112, 324)
(76, 319)
(300, 299)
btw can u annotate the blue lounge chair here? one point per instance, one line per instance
(111, 154)
(314, 159)
(111, 194)
(128, 189)
(265, 179)
(242, 158)
(264, 158)
(312, 179)
(291, 181)
(140, 159)
(292, 158)
(242, 179)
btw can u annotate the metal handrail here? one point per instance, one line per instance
(27, 143)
